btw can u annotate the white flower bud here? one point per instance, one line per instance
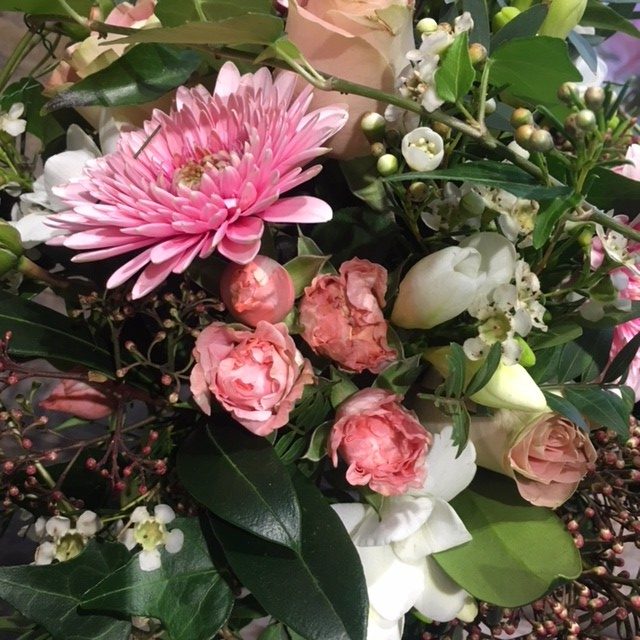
(422, 149)
(427, 25)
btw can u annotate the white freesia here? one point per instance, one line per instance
(445, 283)
(395, 547)
(11, 122)
(149, 531)
(422, 149)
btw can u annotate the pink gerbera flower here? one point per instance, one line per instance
(206, 176)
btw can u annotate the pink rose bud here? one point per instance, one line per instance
(341, 317)
(257, 376)
(260, 290)
(81, 400)
(383, 444)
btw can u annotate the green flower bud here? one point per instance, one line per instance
(521, 116)
(472, 205)
(586, 120)
(427, 25)
(504, 16)
(527, 357)
(567, 92)
(594, 97)
(418, 191)
(373, 126)
(10, 239)
(563, 16)
(541, 140)
(378, 149)
(523, 135)
(477, 54)
(585, 237)
(387, 164)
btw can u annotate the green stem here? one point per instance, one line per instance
(72, 13)
(482, 95)
(32, 270)
(15, 59)
(200, 11)
(609, 223)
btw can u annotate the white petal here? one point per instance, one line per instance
(33, 229)
(78, 140)
(379, 628)
(61, 168)
(393, 585)
(127, 538)
(448, 475)
(88, 524)
(45, 553)
(150, 560)
(498, 258)
(351, 514)
(400, 518)
(441, 598)
(174, 540)
(164, 513)
(139, 514)
(16, 110)
(57, 526)
(14, 127)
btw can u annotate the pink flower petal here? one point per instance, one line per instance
(298, 209)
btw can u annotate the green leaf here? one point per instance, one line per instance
(39, 332)
(455, 74)
(142, 74)
(555, 335)
(457, 367)
(601, 407)
(482, 376)
(564, 407)
(325, 570)
(621, 363)
(46, 6)
(601, 16)
(610, 190)
(613, 317)
(303, 269)
(341, 387)
(365, 183)
(481, 31)
(240, 478)
(307, 247)
(461, 421)
(274, 632)
(525, 24)
(518, 551)
(313, 408)
(172, 13)
(50, 595)
(399, 375)
(547, 219)
(252, 28)
(187, 593)
(584, 358)
(492, 174)
(318, 445)
(518, 65)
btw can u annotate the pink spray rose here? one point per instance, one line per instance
(364, 42)
(341, 317)
(260, 290)
(544, 453)
(383, 444)
(81, 400)
(257, 376)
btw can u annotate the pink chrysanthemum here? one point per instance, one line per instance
(206, 176)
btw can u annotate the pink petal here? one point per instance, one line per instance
(298, 209)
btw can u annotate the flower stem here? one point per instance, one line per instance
(609, 223)
(15, 59)
(32, 270)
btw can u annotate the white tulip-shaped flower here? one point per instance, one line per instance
(422, 149)
(395, 547)
(445, 283)
(149, 531)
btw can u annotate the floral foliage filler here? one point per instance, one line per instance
(389, 399)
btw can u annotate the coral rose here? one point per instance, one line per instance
(341, 317)
(544, 453)
(260, 290)
(365, 41)
(383, 444)
(257, 376)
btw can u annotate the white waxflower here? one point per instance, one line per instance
(60, 540)
(616, 246)
(395, 546)
(423, 149)
(11, 122)
(149, 531)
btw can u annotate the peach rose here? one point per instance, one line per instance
(257, 376)
(80, 399)
(361, 41)
(341, 317)
(383, 444)
(260, 290)
(544, 453)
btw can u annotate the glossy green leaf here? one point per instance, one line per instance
(187, 593)
(46, 6)
(318, 444)
(482, 376)
(481, 31)
(307, 247)
(584, 358)
(492, 174)
(319, 591)
(239, 477)
(524, 25)
(555, 335)
(564, 407)
(39, 332)
(274, 632)
(254, 28)
(50, 595)
(455, 74)
(600, 406)
(303, 269)
(142, 74)
(517, 64)
(342, 387)
(172, 13)
(620, 364)
(547, 219)
(364, 182)
(400, 375)
(601, 16)
(518, 551)
(610, 190)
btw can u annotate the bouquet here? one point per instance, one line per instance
(319, 320)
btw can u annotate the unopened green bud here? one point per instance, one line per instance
(441, 129)
(8, 261)
(541, 140)
(527, 357)
(585, 237)
(477, 54)
(563, 16)
(586, 120)
(373, 126)
(418, 191)
(378, 149)
(427, 25)
(387, 164)
(10, 239)
(521, 116)
(567, 92)
(571, 125)
(472, 204)
(504, 17)
(604, 291)
(523, 135)
(594, 97)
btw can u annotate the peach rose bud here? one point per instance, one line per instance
(260, 290)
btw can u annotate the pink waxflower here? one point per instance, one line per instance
(259, 290)
(383, 444)
(341, 317)
(257, 376)
(204, 177)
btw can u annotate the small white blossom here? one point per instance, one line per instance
(423, 149)
(616, 246)
(11, 122)
(149, 531)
